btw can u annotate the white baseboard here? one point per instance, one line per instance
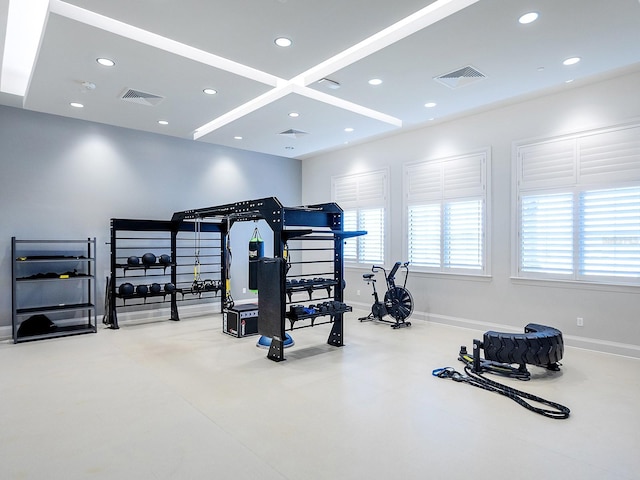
(186, 311)
(5, 333)
(598, 345)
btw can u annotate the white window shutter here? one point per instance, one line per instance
(585, 229)
(424, 235)
(463, 176)
(612, 156)
(547, 164)
(546, 237)
(345, 191)
(446, 213)
(610, 233)
(363, 198)
(423, 182)
(463, 234)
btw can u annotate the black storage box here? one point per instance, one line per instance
(241, 320)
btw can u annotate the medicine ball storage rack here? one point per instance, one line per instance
(152, 262)
(307, 262)
(53, 288)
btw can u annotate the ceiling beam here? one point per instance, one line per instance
(158, 41)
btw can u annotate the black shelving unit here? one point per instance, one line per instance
(171, 281)
(53, 288)
(307, 265)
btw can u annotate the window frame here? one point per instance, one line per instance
(360, 202)
(578, 178)
(443, 199)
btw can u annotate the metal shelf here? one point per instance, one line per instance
(39, 253)
(63, 331)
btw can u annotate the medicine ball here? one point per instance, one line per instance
(169, 287)
(148, 259)
(133, 261)
(155, 288)
(142, 290)
(126, 289)
(165, 259)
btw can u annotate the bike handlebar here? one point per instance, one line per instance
(390, 278)
(375, 268)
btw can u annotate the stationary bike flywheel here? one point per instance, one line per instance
(378, 310)
(399, 303)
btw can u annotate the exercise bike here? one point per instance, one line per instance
(397, 303)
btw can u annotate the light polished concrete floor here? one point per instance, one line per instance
(182, 400)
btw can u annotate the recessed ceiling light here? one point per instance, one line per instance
(569, 81)
(105, 62)
(430, 104)
(163, 122)
(294, 114)
(348, 129)
(283, 42)
(76, 105)
(375, 81)
(210, 91)
(528, 18)
(237, 137)
(571, 61)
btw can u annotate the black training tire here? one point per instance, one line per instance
(539, 345)
(399, 303)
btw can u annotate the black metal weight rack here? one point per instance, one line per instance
(317, 231)
(53, 278)
(154, 261)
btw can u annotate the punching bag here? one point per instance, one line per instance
(256, 252)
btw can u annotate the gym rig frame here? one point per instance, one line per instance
(312, 222)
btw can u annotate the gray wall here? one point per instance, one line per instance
(62, 178)
(611, 314)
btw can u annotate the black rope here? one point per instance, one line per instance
(556, 410)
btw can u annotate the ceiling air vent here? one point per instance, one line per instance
(291, 133)
(461, 77)
(141, 98)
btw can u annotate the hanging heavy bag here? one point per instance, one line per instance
(256, 252)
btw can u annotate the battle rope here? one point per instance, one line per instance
(557, 411)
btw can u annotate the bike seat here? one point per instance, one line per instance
(368, 276)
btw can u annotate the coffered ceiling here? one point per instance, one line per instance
(434, 59)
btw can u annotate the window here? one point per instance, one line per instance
(446, 214)
(578, 207)
(363, 197)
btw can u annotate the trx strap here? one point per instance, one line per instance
(557, 411)
(197, 286)
(285, 255)
(196, 254)
(228, 299)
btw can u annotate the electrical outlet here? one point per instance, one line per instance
(358, 292)
(244, 290)
(580, 321)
